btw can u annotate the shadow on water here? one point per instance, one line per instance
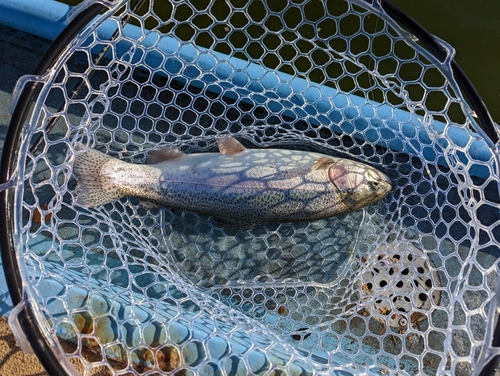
(308, 252)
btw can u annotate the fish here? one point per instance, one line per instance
(237, 185)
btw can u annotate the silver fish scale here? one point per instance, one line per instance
(402, 287)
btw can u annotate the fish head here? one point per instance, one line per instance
(358, 184)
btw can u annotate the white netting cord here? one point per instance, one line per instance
(403, 286)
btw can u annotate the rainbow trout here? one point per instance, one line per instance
(237, 185)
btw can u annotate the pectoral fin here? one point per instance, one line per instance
(322, 163)
(163, 154)
(229, 145)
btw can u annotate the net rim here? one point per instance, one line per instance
(438, 49)
(40, 344)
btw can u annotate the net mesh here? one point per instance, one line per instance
(401, 287)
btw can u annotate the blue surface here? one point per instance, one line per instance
(43, 18)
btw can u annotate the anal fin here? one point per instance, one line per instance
(322, 163)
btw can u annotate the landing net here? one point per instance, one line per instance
(403, 287)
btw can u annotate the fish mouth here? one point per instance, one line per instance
(385, 184)
(389, 183)
(385, 179)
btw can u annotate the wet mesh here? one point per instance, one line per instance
(401, 287)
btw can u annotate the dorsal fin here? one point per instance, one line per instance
(322, 163)
(229, 145)
(163, 154)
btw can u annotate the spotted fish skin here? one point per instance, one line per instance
(236, 185)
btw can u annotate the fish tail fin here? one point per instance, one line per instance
(93, 188)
